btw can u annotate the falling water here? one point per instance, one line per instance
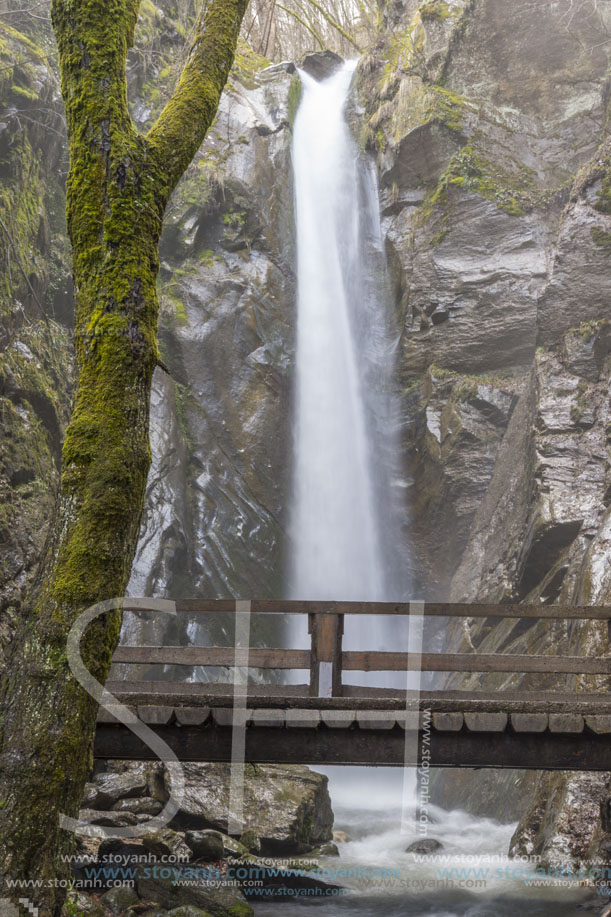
(344, 522)
(334, 525)
(344, 431)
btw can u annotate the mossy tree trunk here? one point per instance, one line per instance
(118, 188)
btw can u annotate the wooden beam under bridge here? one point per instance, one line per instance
(372, 747)
(450, 731)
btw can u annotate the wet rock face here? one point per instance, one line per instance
(220, 434)
(454, 427)
(322, 64)
(561, 822)
(486, 123)
(35, 356)
(555, 503)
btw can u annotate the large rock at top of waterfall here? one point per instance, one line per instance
(288, 808)
(322, 64)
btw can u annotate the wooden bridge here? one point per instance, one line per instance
(328, 722)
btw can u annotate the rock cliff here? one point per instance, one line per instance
(488, 120)
(36, 368)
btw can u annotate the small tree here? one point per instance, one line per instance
(119, 184)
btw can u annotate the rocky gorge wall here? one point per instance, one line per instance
(35, 292)
(487, 122)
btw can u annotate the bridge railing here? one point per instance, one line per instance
(326, 660)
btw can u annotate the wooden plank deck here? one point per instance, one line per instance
(541, 735)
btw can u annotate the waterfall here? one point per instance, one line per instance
(344, 518)
(336, 547)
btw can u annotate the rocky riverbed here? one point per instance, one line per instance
(193, 867)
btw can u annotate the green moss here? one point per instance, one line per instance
(465, 384)
(20, 39)
(514, 193)
(590, 329)
(22, 92)
(415, 103)
(240, 909)
(295, 92)
(403, 52)
(601, 237)
(435, 10)
(248, 63)
(234, 218)
(448, 107)
(603, 200)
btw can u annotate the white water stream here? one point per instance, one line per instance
(344, 531)
(344, 521)
(334, 523)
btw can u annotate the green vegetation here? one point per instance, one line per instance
(435, 11)
(601, 238)
(590, 329)
(513, 192)
(466, 384)
(295, 90)
(247, 64)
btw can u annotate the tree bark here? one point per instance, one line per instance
(118, 187)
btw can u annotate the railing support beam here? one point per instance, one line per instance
(326, 655)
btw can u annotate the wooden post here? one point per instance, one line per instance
(326, 655)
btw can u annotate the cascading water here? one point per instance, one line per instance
(341, 483)
(334, 525)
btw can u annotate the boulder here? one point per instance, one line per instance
(145, 805)
(108, 819)
(233, 848)
(321, 64)
(287, 807)
(217, 900)
(325, 850)
(109, 788)
(425, 847)
(167, 845)
(206, 845)
(251, 841)
(118, 900)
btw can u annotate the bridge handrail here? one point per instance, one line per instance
(326, 660)
(429, 609)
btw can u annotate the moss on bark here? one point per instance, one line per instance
(118, 188)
